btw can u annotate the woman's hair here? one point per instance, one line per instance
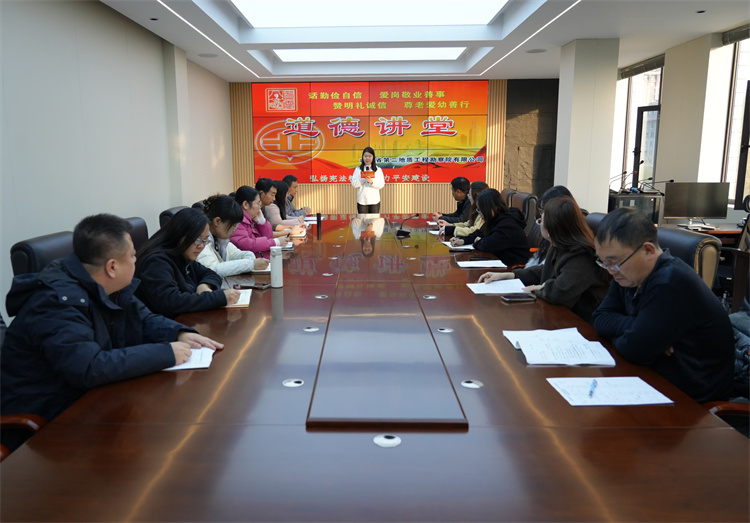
(362, 162)
(475, 189)
(245, 194)
(263, 184)
(176, 236)
(224, 208)
(281, 189)
(566, 225)
(552, 192)
(491, 204)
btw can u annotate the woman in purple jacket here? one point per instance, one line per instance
(254, 233)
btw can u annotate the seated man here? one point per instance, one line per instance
(658, 311)
(459, 190)
(78, 325)
(291, 210)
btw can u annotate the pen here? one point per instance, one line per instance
(592, 388)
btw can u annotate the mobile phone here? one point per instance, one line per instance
(519, 296)
(261, 286)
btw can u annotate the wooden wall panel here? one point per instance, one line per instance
(396, 197)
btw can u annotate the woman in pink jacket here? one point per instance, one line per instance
(254, 233)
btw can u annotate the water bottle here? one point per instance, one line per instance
(277, 271)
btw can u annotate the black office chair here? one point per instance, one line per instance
(507, 195)
(593, 219)
(198, 205)
(700, 251)
(527, 204)
(139, 231)
(167, 215)
(733, 274)
(34, 254)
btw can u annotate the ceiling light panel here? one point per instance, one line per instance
(369, 55)
(343, 13)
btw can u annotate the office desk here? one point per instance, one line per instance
(231, 443)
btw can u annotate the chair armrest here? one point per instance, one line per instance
(730, 408)
(31, 422)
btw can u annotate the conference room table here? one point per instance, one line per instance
(376, 387)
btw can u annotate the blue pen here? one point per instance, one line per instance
(592, 388)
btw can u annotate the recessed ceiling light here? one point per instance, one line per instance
(207, 55)
(701, 11)
(536, 51)
(340, 13)
(153, 19)
(380, 54)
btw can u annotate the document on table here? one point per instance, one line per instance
(300, 235)
(539, 352)
(430, 222)
(621, 390)
(519, 338)
(244, 300)
(458, 247)
(199, 359)
(498, 287)
(434, 232)
(471, 264)
(313, 219)
(288, 247)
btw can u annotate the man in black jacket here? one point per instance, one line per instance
(79, 326)
(658, 311)
(460, 187)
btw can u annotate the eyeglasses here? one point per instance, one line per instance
(199, 242)
(616, 267)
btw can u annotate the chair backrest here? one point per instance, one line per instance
(198, 205)
(698, 250)
(507, 195)
(139, 232)
(166, 215)
(535, 235)
(526, 203)
(34, 254)
(593, 219)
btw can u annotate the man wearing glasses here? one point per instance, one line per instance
(659, 312)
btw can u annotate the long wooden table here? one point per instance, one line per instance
(376, 345)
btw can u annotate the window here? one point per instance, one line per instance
(740, 87)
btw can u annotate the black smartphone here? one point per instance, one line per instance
(519, 296)
(261, 286)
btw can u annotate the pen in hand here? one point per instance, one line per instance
(592, 388)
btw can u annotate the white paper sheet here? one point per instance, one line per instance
(471, 264)
(570, 335)
(430, 222)
(434, 232)
(539, 352)
(625, 390)
(314, 219)
(458, 247)
(199, 359)
(498, 287)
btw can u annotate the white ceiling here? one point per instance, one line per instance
(237, 52)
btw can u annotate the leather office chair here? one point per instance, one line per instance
(139, 232)
(527, 204)
(198, 205)
(34, 254)
(733, 276)
(700, 251)
(507, 195)
(593, 219)
(166, 215)
(12, 422)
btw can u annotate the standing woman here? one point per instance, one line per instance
(569, 276)
(254, 232)
(368, 179)
(220, 255)
(172, 281)
(503, 231)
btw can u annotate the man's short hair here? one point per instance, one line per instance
(99, 238)
(289, 179)
(629, 226)
(460, 184)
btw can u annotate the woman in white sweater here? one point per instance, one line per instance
(368, 179)
(220, 255)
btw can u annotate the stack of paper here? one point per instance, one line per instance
(313, 218)
(244, 301)
(498, 287)
(435, 232)
(458, 247)
(199, 359)
(430, 222)
(559, 347)
(624, 390)
(473, 264)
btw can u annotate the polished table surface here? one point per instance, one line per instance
(232, 443)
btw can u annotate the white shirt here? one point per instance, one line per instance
(368, 194)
